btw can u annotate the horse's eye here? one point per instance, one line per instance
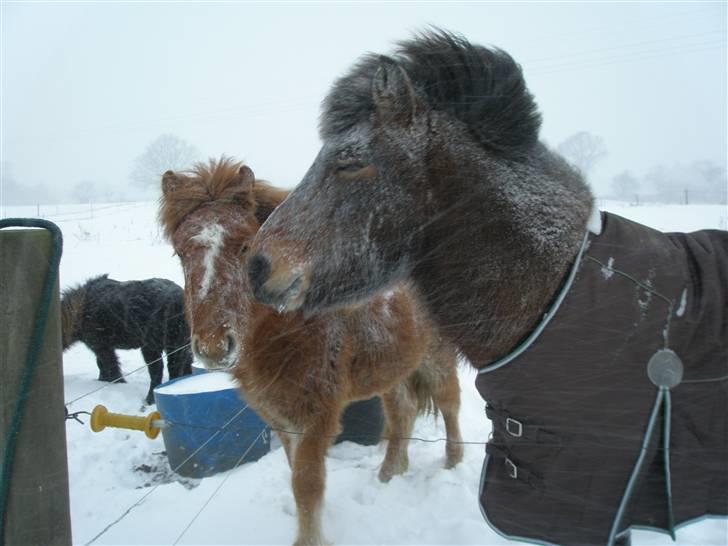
(350, 167)
(243, 249)
(355, 170)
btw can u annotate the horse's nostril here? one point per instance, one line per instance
(216, 350)
(231, 343)
(195, 346)
(258, 271)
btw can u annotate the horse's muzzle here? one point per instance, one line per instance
(216, 352)
(258, 273)
(283, 289)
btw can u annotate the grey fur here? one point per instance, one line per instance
(459, 195)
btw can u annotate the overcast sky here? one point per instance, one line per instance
(87, 86)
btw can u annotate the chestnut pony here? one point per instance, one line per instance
(299, 372)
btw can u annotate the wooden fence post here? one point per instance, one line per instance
(38, 503)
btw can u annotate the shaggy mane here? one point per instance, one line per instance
(215, 182)
(483, 88)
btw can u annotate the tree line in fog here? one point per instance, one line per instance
(700, 181)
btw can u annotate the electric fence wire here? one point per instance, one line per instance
(175, 469)
(123, 376)
(220, 485)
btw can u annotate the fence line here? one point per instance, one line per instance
(217, 489)
(126, 375)
(143, 497)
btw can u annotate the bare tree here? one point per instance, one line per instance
(163, 153)
(583, 150)
(625, 186)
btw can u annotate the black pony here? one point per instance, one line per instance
(106, 314)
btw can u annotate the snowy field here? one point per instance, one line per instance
(254, 503)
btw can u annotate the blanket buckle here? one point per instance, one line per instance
(514, 428)
(511, 468)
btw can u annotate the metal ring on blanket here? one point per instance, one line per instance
(665, 369)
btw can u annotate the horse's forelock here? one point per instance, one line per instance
(216, 180)
(219, 178)
(350, 99)
(483, 88)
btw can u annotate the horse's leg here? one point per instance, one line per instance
(309, 480)
(289, 446)
(400, 409)
(288, 439)
(177, 362)
(185, 357)
(173, 365)
(153, 358)
(447, 398)
(108, 363)
(179, 359)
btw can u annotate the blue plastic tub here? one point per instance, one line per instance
(362, 422)
(198, 369)
(209, 430)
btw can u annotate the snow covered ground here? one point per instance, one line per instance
(253, 504)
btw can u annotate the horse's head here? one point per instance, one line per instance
(210, 215)
(395, 131)
(330, 242)
(72, 304)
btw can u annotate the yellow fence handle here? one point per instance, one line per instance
(102, 418)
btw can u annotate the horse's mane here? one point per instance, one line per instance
(483, 88)
(216, 181)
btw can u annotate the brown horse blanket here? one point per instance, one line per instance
(613, 413)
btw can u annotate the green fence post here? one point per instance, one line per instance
(37, 510)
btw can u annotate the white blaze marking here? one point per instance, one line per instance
(212, 237)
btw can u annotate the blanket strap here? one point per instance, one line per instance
(514, 470)
(519, 431)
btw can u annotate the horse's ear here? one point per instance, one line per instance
(170, 182)
(394, 97)
(241, 188)
(267, 198)
(247, 177)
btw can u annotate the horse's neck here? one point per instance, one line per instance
(491, 266)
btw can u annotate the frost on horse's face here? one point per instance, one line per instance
(431, 171)
(352, 224)
(209, 243)
(210, 238)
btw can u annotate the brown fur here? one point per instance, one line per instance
(219, 184)
(298, 372)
